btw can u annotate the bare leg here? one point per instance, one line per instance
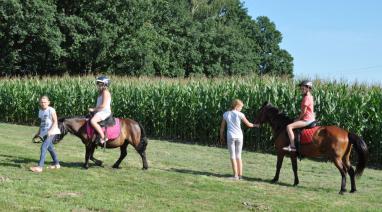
(290, 127)
(239, 164)
(234, 167)
(94, 122)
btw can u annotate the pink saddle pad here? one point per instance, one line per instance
(112, 132)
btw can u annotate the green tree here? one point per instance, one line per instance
(132, 37)
(29, 38)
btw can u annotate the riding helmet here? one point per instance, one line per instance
(104, 80)
(306, 83)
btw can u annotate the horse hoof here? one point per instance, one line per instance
(145, 168)
(353, 190)
(116, 167)
(99, 163)
(342, 191)
(274, 180)
(85, 167)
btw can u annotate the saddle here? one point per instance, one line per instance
(108, 122)
(298, 133)
(111, 127)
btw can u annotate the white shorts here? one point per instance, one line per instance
(103, 114)
(235, 145)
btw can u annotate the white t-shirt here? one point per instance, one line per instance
(46, 121)
(107, 107)
(233, 119)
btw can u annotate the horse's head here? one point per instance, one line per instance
(273, 116)
(262, 114)
(71, 125)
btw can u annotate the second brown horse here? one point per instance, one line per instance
(331, 142)
(131, 133)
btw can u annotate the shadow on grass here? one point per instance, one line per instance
(16, 161)
(194, 172)
(251, 179)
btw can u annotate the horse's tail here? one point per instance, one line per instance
(362, 152)
(142, 145)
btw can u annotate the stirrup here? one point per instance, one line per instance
(103, 145)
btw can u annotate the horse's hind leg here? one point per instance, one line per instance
(144, 159)
(351, 173)
(341, 168)
(122, 155)
(352, 179)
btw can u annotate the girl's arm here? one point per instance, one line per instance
(54, 123)
(249, 124)
(302, 113)
(222, 128)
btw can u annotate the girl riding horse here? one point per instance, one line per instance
(328, 141)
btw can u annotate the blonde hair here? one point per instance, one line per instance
(235, 103)
(44, 97)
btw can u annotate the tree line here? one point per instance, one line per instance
(171, 38)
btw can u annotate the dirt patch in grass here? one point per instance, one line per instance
(68, 194)
(4, 179)
(256, 206)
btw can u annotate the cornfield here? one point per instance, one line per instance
(190, 110)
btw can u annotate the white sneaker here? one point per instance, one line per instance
(102, 141)
(57, 166)
(289, 148)
(234, 178)
(36, 169)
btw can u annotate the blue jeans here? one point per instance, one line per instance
(48, 145)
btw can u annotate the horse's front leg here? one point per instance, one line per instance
(293, 158)
(87, 156)
(92, 158)
(280, 158)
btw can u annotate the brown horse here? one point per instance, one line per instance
(131, 133)
(328, 141)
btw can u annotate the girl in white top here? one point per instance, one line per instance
(103, 107)
(48, 129)
(233, 120)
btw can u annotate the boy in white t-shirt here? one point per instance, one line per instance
(48, 129)
(233, 120)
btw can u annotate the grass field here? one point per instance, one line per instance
(181, 177)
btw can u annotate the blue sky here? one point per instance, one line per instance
(332, 40)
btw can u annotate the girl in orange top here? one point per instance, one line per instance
(306, 116)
